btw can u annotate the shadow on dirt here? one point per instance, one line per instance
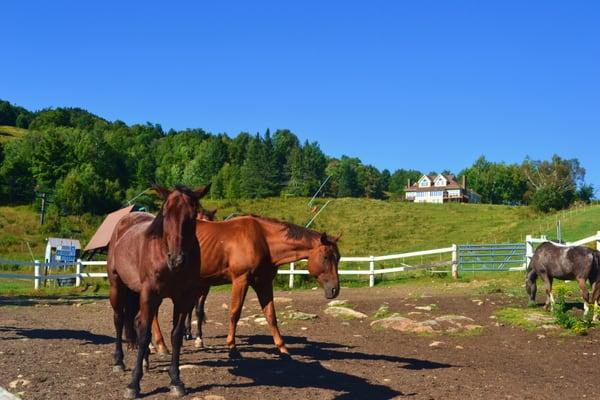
(314, 373)
(86, 337)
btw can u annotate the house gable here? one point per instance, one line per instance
(440, 181)
(424, 181)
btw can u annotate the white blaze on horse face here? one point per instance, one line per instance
(586, 308)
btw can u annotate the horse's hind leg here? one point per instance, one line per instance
(200, 316)
(530, 285)
(264, 291)
(585, 294)
(157, 337)
(117, 301)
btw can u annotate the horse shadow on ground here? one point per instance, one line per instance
(326, 351)
(86, 337)
(307, 368)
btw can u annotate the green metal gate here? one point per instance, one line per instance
(491, 257)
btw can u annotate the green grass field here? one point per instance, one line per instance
(8, 133)
(368, 227)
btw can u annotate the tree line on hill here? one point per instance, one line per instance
(89, 164)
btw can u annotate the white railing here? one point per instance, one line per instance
(530, 241)
(80, 266)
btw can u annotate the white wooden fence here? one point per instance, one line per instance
(372, 271)
(530, 241)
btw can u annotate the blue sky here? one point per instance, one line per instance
(429, 85)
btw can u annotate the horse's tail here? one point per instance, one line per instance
(132, 306)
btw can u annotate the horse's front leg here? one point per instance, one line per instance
(549, 297)
(595, 299)
(148, 305)
(238, 294)
(181, 308)
(585, 294)
(264, 291)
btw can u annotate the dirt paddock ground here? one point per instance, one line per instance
(63, 350)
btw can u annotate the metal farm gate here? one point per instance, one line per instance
(491, 257)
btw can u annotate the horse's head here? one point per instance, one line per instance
(323, 264)
(206, 215)
(178, 218)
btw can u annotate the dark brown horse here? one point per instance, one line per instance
(246, 251)
(160, 346)
(565, 262)
(151, 258)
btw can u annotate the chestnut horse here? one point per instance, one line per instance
(151, 258)
(246, 251)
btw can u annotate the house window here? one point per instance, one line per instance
(424, 183)
(437, 193)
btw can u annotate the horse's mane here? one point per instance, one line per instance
(156, 226)
(292, 231)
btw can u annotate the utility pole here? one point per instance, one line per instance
(43, 209)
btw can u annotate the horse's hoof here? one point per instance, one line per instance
(198, 343)
(235, 354)
(119, 369)
(285, 356)
(188, 336)
(131, 393)
(177, 391)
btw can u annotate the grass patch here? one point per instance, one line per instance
(517, 317)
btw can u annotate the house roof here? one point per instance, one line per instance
(55, 242)
(104, 232)
(451, 183)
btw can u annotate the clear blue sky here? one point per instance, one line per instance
(429, 85)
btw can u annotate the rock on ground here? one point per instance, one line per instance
(344, 313)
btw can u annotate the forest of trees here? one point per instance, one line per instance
(88, 164)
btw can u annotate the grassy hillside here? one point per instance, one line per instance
(369, 227)
(8, 133)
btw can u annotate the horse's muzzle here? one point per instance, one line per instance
(175, 261)
(332, 292)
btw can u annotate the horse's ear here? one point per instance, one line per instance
(162, 192)
(325, 239)
(338, 237)
(214, 212)
(201, 192)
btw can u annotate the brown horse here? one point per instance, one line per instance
(565, 262)
(246, 251)
(151, 258)
(161, 347)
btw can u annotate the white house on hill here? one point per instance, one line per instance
(440, 189)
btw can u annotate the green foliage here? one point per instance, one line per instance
(564, 316)
(496, 183)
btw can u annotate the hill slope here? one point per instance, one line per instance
(369, 227)
(8, 133)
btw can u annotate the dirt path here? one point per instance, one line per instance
(58, 351)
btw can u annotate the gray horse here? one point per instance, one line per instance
(566, 263)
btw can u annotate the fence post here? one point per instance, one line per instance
(598, 240)
(78, 269)
(528, 251)
(36, 274)
(372, 271)
(292, 267)
(454, 262)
